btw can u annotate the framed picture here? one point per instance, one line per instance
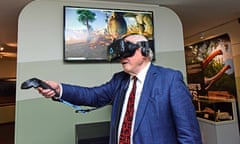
(210, 67)
(89, 31)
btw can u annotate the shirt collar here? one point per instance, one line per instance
(141, 76)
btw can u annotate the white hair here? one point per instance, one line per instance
(150, 54)
(135, 38)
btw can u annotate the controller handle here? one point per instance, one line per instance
(35, 83)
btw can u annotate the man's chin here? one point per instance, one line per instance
(124, 66)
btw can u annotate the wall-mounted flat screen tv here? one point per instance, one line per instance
(88, 31)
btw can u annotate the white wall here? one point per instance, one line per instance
(40, 54)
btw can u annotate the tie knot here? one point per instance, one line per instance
(134, 83)
(134, 78)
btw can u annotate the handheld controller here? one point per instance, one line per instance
(35, 83)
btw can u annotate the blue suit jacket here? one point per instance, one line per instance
(165, 114)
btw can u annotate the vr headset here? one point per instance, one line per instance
(121, 49)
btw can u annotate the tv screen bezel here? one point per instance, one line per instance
(99, 57)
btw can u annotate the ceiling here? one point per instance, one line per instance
(197, 16)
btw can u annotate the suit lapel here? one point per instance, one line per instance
(120, 99)
(146, 93)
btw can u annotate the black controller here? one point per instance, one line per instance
(35, 83)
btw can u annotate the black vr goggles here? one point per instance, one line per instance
(121, 49)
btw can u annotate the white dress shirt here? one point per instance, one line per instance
(140, 81)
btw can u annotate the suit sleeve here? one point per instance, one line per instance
(90, 96)
(184, 112)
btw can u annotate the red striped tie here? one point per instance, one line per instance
(127, 122)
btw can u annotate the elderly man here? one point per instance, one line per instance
(150, 104)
